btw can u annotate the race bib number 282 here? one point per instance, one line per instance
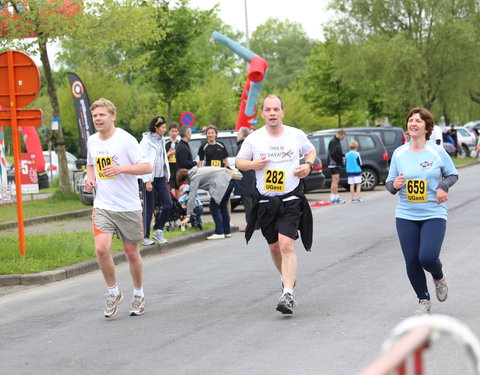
(274, 180)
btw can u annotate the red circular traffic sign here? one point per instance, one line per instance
(187, 118)
(22, 70)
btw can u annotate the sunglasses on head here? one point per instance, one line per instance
(160, 121)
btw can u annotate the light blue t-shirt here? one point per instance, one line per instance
(422, 171)
(353, 162)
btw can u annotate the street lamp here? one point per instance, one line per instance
(246, 25)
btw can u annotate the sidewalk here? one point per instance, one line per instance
(92, 265)
(80, 221)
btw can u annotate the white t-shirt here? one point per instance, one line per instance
(283, 152)
(436, 134)
(117, 193)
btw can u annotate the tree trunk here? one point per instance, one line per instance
(475, 96)
(64, 176)
(169, 113)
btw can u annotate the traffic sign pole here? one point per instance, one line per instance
(19, 85)
(16, 151)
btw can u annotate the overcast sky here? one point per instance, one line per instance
(310, 13)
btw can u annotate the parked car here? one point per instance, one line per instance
(391, 136)
(316, 179)
(51, 166)
(85, 198)
(467, 142)
(372, 151)
(474, 126)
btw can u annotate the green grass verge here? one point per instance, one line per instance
(46, 252)
(57, 203)
(458, 161)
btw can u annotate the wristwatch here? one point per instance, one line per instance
(310, 164)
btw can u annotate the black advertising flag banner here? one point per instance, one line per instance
(82, 110)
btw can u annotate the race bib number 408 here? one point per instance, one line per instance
(101, 163)
(416, 190)
(274, 180)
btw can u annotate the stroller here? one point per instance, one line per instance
(176, 213)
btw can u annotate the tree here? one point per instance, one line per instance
(421, 53)
(286, 48)
(46, 20)
(174, 66)
(325, 89)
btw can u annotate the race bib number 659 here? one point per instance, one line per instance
(102, 162)
(274, 180)
(416, 190)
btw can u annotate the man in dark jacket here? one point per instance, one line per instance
(183, 153)
(335, 162)
(246, 186)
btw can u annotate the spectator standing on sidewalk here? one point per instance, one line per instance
(170, 147)
(183, 153)
(353, 165)
(212, 153)
(156, 182)
(453, 133)
(335, 162)
(114, 161)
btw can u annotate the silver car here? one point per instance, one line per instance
(467, 142)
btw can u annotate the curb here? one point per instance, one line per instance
(47, 218)
(468, 164)
(73, 270)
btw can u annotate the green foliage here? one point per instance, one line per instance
(173, 65)
(325, 89)
(286, 47)
(421, 53)
(212, 103)
(46, 252)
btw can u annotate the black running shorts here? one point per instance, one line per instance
(286, 224)
(334, 170)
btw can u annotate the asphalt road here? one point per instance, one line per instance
(211, 306)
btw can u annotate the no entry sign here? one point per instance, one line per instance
(187, 119)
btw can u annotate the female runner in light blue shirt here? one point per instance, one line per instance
(422, 173)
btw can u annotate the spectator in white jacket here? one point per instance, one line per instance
(156, 183)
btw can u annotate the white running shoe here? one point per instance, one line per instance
(441, 289)
(424, 307)
(138, 306)
(286, 304)
(111, 305)
(147, 241)
(159, 236)
(216, 237)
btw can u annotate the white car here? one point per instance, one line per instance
(51, 166)
(467, 142)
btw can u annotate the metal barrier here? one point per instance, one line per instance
(404, 348)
